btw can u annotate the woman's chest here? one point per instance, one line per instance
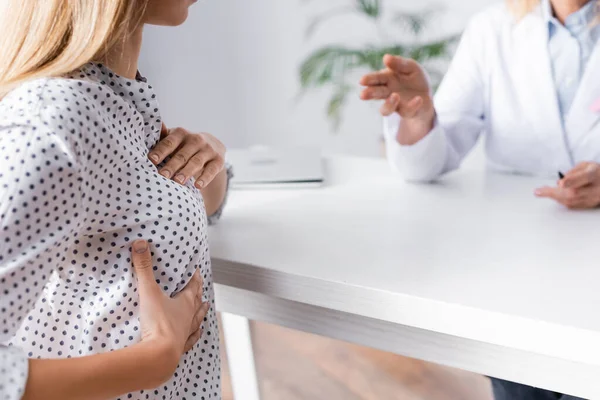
(126, 199)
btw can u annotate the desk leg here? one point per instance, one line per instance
(240, 355)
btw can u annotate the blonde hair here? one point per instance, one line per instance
(45, 38)
(521, 8)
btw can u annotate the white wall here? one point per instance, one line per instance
(232, 70)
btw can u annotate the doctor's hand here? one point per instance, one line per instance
(405, 88)
(192, 155)
(579, 189)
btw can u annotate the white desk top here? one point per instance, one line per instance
(475, 256)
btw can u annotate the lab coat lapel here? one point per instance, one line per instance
(535, 84)
(582, 118)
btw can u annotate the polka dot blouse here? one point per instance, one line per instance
(76, 189)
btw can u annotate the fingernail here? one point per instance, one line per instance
(154, 157)
(538, 192)
(180, 178)
(200, 184)
(140, 246)
(165, 173)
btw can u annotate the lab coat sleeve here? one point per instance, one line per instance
(459, 105)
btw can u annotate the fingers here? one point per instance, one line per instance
(571, 198)
(200, 315)
(398, 64)
(142, 263)
(377, 78)
(210, 172)
(391, 105)
(197, 326)
(406, 110)
(582, 175)
(375, 93)
(190, 152)
(166, 146)
(197, 164)
(164, 131)
(576, 180)
(197, 155)
(193, 289)
(192, 340)
(548, 193)
(198, 287)
(412, 108)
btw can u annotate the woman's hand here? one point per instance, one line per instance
(405, 88)
(171, 324)
(170, 327)
(200, 156)
(579, 189)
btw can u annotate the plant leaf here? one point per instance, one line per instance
(317, 21)
(336, 104)
(433, 50)
(327, 65)
(415, 23)
(374, 55)
(371, 8)
(331, 64)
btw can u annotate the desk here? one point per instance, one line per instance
(473, 272)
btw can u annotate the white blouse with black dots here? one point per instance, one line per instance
(76, 189)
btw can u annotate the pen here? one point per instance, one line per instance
(561, 176)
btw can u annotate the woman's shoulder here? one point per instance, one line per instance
(51, 99)
(62, 108)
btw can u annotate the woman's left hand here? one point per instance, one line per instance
(192, 155)
(579, 189)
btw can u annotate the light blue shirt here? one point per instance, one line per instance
(570, 46)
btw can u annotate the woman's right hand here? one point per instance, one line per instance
(171, 325)
(405, 88)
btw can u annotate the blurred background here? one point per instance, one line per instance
(273, 72)
(233, 68)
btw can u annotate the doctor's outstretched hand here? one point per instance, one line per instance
(579, 189)
(404, 86)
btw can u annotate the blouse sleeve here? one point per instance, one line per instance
(41, 209)
(13, 373)
(212, 219)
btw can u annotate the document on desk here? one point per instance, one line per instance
(269, 168)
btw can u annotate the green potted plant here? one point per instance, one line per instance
(334, 65)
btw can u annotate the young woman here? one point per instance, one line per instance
(88, 171)
(525, 73)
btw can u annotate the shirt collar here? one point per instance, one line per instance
(576, 22)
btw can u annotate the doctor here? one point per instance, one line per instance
(526, 75)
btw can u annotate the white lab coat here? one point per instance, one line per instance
(500, 84)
